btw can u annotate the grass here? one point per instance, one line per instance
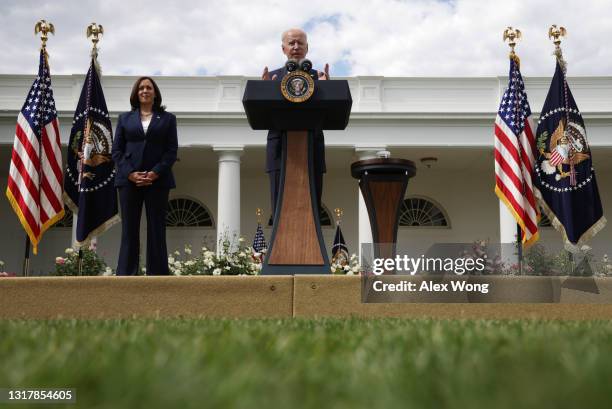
(189, 363)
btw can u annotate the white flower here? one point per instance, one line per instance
(69, 250)
(217, 272)
(1, 263)
(189, 262)
(144, 270)
(177, 253)
(170, 260)
(242, 254)
(585, 248)
(241, 239)
(187, 250)
(227, 268)
(108, 271)
(177, 264)
(355, 269)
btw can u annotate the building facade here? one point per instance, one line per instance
(220, 172)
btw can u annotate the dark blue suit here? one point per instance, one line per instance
(135, 151)
(274, 151)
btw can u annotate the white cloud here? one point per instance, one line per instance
(376, 37)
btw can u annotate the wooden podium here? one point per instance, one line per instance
(383, 183)
(297, 244)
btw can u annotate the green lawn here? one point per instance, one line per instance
(350, 363)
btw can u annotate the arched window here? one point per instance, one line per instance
(66, 221)
(324, 216)
(185, 212)
(422, 212)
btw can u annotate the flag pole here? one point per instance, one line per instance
(44, 28)
(26, 259)
(519, 246)
(513, 35)
(93, 30)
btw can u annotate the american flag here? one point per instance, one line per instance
(35, 176)
(259, 244)
(515, 149)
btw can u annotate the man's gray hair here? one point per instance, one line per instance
(293, 29)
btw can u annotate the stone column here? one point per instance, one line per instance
(507, 234)
(228, 207)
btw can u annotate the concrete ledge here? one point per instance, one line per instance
(340, 296)
(126, 297)
(267, 297)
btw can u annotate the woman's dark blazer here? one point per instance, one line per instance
(133, 151)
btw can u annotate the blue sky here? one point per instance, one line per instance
(376, 37)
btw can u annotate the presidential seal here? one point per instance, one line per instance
(297, 86)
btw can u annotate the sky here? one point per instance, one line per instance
(373, 37)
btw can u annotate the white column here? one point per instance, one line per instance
(73, 230)
(365, 229)
(507, 234)
(228, 205)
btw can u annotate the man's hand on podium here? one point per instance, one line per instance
(266, 75)
(324, 75)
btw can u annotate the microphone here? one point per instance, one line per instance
(291, 65)
(306, 65)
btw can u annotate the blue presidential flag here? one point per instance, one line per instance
(340, 254)
(564, 178)
(90, 172)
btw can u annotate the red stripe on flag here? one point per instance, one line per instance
(51, 196)
(27, 145)
(508, 171)
(25, 176)
(23, 207)
(503, 138)
(517, 208)
(49, 154)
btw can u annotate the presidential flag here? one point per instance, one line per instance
(340, 255)
(564, 178)
(515, 155)
(90, 171)
(35, 175)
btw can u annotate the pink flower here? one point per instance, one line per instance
(60, 260)
(5, 274)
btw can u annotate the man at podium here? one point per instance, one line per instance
(295, 47)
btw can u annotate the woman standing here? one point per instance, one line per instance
(144, 151)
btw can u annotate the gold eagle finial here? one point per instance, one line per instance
(512, 35)
(556, 33)
(94, 30)
(44, 27)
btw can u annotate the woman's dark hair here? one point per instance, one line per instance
(135, 103)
